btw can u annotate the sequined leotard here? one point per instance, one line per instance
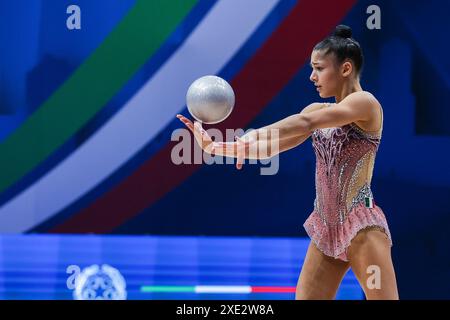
(344, 203)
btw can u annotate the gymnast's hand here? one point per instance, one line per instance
(201, 136)
(238, 149)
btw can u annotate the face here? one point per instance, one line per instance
(326, 75)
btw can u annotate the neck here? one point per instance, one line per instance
(348, 88)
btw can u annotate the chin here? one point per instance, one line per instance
(324, 95)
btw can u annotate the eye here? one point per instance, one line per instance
(319, 68)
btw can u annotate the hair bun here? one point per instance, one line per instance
(343, 31)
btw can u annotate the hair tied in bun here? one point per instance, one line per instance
(343, 47)
(343, 31)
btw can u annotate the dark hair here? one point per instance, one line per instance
(343, 46)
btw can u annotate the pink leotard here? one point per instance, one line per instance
(344, 203)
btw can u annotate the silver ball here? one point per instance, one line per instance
(210, 99)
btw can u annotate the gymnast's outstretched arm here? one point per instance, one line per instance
(260, 137)
(289, 132)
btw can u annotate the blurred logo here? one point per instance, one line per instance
(96, 283)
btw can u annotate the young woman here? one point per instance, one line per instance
(347, 229)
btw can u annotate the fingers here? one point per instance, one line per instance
(192, 126)
(188, 123)
(198, 129)
(197, 134)
(240, 153)
(201, 133)
(242, 147)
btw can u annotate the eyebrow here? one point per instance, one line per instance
(313, 63)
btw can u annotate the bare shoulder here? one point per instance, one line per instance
(362, 99)
(367, 101)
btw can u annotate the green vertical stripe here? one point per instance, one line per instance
(92, 85)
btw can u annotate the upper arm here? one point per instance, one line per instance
(296, 140)
(355, 107)
(312, 107)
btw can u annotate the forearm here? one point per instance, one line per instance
(269, 140)
(266, 145)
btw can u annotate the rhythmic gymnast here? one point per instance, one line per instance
(347, 228)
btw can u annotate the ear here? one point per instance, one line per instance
(346, 69)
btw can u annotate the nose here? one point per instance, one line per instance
(313, 76)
